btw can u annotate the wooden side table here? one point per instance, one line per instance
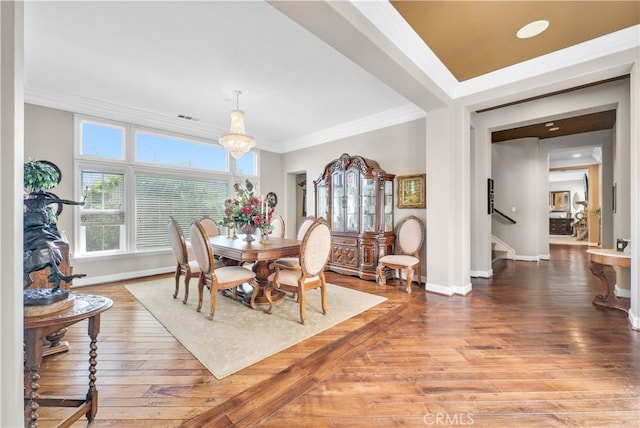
(85, 306)
(599, 258)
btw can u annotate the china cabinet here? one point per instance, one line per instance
(355, 196)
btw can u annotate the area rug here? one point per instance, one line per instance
(239, 336)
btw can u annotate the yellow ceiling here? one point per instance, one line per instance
(472, 38)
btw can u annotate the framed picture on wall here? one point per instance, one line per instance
(412, 191)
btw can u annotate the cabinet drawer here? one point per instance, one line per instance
(345, 240)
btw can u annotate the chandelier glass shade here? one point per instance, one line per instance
(236, 142)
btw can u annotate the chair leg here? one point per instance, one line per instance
(200, 292)
(187, 278)
(214, 294)
(382, 280)
(323, 294)
(301, 300)
(175, 293)
(254, 294)
(409, 279)
(419, 275)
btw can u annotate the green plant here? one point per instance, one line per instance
(40, 175)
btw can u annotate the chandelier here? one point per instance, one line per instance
(236, 142)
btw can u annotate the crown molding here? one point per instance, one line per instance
(609, 52)
(127, 114)
(395, 116)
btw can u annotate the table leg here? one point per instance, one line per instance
(603, 299)
(92, 394)
(33, 405)
(33, 361)
(261, 268)
(598, 270)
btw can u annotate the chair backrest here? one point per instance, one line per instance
(210, 226)
(315, 248)
(410, 235)
(277, 226)
(306, 222)
(177, 242)
(201, 248)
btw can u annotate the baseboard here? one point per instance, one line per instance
(123, 276)
(448, 290)
(634, 320)
(481, 273)
(622, 292)
(528, 258)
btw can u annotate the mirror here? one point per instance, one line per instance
(559, 201)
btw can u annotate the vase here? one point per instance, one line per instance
(248, 229)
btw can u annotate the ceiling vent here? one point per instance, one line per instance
(185, 117)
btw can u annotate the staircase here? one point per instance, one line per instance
(500, 253)
(498, 258)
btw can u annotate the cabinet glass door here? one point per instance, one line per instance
(368, 205)
(388, 206)
(322, 203)
(337, 202)
(351, 208)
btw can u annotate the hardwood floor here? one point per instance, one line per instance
(524, 349)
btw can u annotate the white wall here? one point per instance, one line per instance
(517, 183)
(11, 155)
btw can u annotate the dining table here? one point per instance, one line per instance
(237, 251)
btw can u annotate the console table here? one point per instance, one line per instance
(599, 258)
(36, 328)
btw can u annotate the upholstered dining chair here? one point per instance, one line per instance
(302, 230)
(223, 278)
(309, 274)
(277, 226)
(186, 267)
(210, 226)
(409, 240)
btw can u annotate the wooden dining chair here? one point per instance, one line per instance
(210, 226)
(409, 240)
(302, 230)
(277, 226)
(223, 278)
(309, 274)
(186, 267)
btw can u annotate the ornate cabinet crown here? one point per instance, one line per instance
(355, 196)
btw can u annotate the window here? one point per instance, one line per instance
(159, 197)
(247, 164)
(134, 178)
(102, 216)
(102, 140)
(163, 150)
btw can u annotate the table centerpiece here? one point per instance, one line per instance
(247, 212)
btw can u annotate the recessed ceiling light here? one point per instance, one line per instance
(555, 128)
(532, 29)
(576, 155)
(548, 124)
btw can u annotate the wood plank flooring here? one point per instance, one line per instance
(524, 349)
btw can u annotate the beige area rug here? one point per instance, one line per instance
(239, 336)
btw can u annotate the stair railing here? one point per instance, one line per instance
(504, 216)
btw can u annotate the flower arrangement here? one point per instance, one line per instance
(247, 209)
